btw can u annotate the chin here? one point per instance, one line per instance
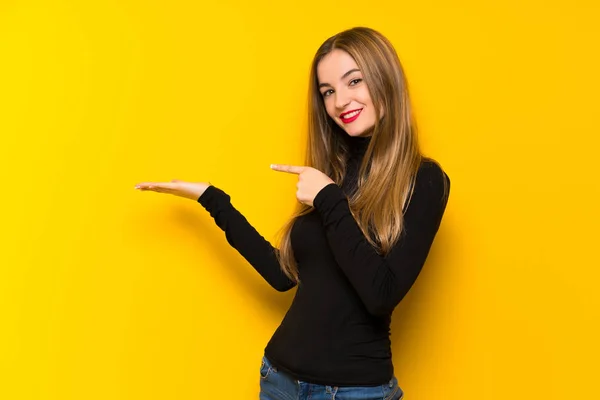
(357, 134)
(360, 132)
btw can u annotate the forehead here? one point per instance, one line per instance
(334, 65)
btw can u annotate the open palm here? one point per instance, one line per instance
(188, 190)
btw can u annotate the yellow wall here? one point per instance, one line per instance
(110, 293)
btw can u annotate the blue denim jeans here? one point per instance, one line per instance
(278, 385)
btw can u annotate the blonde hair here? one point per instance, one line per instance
(392, 158)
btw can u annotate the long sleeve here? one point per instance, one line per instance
(244, 238)
(382, 281)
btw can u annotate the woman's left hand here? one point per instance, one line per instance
(310, 181)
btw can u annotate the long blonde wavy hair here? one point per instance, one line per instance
(392, 158)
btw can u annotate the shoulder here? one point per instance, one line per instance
(431, 171)
(432, 181)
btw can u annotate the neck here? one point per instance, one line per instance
(358, 144)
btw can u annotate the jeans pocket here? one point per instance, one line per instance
(392, 390)
(265, 368)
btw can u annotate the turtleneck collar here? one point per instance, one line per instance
(357, 145)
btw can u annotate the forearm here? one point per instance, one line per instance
(382, 281)
(242, 236)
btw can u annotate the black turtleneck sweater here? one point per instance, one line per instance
(337, 330)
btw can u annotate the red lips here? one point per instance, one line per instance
(351, 119)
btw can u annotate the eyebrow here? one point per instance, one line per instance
(343, 76)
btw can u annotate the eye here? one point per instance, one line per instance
(355, 81)
(326, 93)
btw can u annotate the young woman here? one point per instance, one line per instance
(370, 205)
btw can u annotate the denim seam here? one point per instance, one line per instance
(393, 393)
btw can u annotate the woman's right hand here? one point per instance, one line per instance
(188, 190)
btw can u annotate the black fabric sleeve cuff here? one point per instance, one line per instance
(328, 197)
(213, 196)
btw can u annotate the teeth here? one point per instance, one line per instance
(352, 114)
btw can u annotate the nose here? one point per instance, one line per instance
(341, 99)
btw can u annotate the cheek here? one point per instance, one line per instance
(330, 108)
(365, 98)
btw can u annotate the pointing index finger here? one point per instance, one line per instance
(292, 169)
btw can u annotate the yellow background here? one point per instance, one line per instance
(110, 293)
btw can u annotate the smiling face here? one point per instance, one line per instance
(345, 94)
